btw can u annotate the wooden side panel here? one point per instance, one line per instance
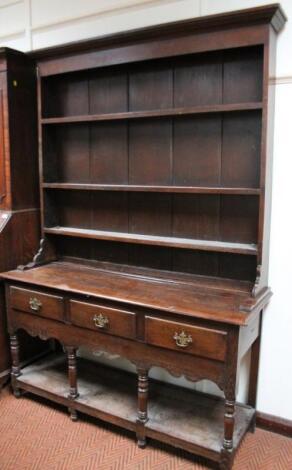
(23, 141)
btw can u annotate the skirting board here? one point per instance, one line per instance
(274, 424)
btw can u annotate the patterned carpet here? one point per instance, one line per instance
(35, 436)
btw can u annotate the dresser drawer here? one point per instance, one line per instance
(103, 319)
(31, 301)
(187, 338)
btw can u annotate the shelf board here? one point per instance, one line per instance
(111, 395)
(191, 110)
(186, 243)
(152, 188)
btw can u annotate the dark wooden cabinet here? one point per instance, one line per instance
(19, 194)
(155, 192)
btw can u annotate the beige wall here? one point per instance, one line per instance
(33, 24)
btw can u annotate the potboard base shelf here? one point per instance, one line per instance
(183, 418)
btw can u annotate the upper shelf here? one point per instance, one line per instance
(175, 242)
(191, 110)
(153, 188)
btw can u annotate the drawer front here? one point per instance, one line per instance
(45, 305)
(103, 319)
(187, 338)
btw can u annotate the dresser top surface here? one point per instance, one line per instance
(215, 299)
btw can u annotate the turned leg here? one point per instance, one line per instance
(15, 370)
(142, 406)
(228, 424)
(227, 449)
(72, 374)
(226, 452)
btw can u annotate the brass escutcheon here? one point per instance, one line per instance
(100, 321)
(182, 340)
(35, 304)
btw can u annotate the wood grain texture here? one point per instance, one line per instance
(177, 106)
(150, 152)
(152, 188)
(204, 342)
(155, 113)
(48, 305)
(197, 151)
(109, 153)
(203, 298)
(240, 150)
(186, 243)
(117, 322)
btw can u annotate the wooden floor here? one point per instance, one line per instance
(38, 436)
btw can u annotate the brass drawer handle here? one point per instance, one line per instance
(35, 304)
(182, 340)
(100, 321)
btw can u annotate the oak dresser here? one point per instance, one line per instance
(155, 158)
